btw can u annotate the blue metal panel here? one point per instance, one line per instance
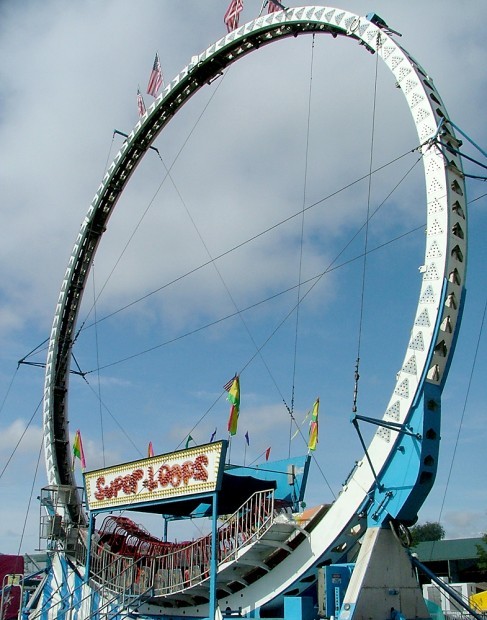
(410, 473)
(299, 608)
(290, 475)
(337, 578)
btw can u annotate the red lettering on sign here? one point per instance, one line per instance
(174, 475)
(187, 471)
(163, 476)
(200, 464)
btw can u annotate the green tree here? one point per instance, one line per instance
(431, 530)
(482, 554)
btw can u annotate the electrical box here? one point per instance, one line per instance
(333, 582)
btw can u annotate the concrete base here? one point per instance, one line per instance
(383, 582)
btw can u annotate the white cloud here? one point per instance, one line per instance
(465, 523)
(69, 75)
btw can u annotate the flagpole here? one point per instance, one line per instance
(258, 457)
(245, 452)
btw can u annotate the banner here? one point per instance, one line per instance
(194, 471)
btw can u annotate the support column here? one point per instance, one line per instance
(214, 556)
(383, 580)
(91, 527)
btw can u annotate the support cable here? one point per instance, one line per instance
(20, 439)
(364, 269)
(366, 239)
(223, 254)
(109, 152)
(9, 388)
(331, 267)
(151, 202)
(316, 279)
(257, 236)
(34, 480)
(311, 280)
(213, 261)
(97, 351)
(474, 364)
(300, 269)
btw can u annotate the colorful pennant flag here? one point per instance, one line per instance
(213, 435)
(247, 438)
(78, 450)
(150, 450)
(155, 79)
(234, 398)
(140, 103)
(297, 431)
(188, 440)
(267, 453)
(313, 427)
(232, 15)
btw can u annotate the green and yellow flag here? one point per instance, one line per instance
(78, 450)
(234, 398)
(313, 427)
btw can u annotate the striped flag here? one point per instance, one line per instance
(267, 453)
(150, 450)
(229, 384)
(140, 103)
(313, 427)
(78, 450)
(234, 398)
(233, 14)
(155, 79)
(272, 6)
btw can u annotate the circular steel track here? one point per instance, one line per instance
(399, 467)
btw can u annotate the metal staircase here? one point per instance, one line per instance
(251, 541)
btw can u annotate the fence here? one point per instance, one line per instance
(184, 564)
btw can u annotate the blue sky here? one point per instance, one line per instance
(284, 128)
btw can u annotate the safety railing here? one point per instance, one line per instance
(184, 565)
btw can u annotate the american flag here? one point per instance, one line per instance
(155, 80)
(272, 7)
(232, 15)
(229, 384)
(140, 103)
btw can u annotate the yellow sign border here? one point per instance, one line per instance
(174, 475)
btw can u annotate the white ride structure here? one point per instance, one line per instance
(391, 481)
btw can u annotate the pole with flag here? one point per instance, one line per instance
(272, 6)
(267, 453)
(78, 450)
(234, 398)
(232, 14)
(313, 427)
(187, 441)
(150, 450)
(140, 103)
(155, 79)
